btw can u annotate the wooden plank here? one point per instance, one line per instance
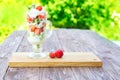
(7, 47)
(73, 41)
(23, 73)
(3, 67)
(40, 73)
(71, 59)
(11, 43)
(85, 40)
(76, 43)
(55, 73)
(18, 73)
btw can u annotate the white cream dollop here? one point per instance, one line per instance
(33, 13)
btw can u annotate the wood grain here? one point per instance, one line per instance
(42, 73)
(3, 67)
(71, 59)
(90, 41)
(19, 73)
(9, 45)
(73, 40)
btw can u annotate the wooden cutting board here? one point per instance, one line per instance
(71, 59)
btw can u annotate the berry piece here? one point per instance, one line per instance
(39, 8)
(29, 19)
(59, 53)
(41, 16)
(41, 29)
(52, 55)
(32, 28)
(37, 31)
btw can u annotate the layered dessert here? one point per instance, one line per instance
(36, 21)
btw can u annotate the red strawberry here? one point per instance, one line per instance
(37, 31)
(41, 29)
(52, 55)
(29, 19)
(32, 28)
(41, 16)
(39, 8)
(59, 53)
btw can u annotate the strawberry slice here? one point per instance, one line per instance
(39, 8)
(29, 19)
(32, 28)
(41, 16)
(37, 31)
(41, 29)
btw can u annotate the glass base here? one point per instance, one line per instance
(37, 55)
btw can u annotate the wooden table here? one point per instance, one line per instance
(69, 40)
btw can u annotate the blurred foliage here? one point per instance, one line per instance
(78, 13)
(12, 16)
(96, 15)
(102, 16)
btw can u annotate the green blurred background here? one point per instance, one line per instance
(101, 16)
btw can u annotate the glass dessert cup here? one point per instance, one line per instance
(39, 29)
(37, 39)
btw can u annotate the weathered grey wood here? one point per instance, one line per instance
(40, 73)
(73, 40)
(90, 41)
(9, 45)
(23, 73)
(3, 67)
(55, 73)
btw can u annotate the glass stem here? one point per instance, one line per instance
(37, 48)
